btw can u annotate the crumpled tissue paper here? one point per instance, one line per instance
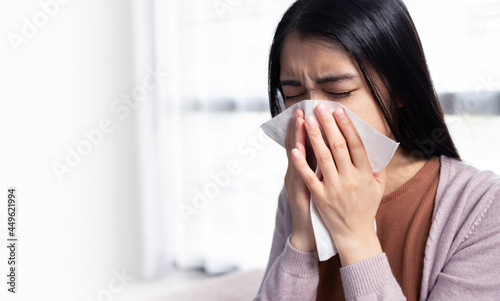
(379, 150)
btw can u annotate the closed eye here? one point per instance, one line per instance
(289, 98)
(335, 95)
(341, 95)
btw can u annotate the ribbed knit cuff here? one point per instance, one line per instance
(366, 276)
(298, 263)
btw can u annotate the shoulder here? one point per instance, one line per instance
(461, 181)
(457, 172)
(465, 199)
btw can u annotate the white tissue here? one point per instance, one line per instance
(379, 150)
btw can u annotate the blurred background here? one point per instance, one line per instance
(131, 132)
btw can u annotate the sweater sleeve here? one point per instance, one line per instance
(472, 270)
(294, 275)
(290, 274)
(370, 279)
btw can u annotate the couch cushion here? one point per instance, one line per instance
(231, 287)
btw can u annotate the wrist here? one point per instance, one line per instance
(303, 241)
(355, 249)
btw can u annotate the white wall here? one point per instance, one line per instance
(74, 233)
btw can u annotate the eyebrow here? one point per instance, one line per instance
(320, 81)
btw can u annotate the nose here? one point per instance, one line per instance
(317, 94)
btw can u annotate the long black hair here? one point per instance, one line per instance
(382, 38)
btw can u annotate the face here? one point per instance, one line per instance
(312, 69)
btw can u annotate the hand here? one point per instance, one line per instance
(349, 194)
(302, 237)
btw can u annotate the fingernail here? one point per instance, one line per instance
(296, 153)
(340, 112)
(322, 109)
(311, 122)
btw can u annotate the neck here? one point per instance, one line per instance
(401, 169)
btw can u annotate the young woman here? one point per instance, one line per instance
(438, 219)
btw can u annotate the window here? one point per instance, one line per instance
(215, 53)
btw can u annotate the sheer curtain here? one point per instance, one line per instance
(153, 258)
(222, 175)
(212, 182)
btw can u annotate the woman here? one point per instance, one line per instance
(438, 219)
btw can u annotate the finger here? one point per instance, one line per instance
(299, 113)
(321, 151)
(308, 176)
(290, 139)
(290, 130)
(355, 144)
(336, 141)
(300, 135)
(301, 148)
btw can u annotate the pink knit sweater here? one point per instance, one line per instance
(462, 254)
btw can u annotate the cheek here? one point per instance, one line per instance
(378, 122)
(369, 112)
(290, 103)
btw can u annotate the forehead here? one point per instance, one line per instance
(314, 56)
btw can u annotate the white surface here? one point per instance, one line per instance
(191, 285)
(176, 281)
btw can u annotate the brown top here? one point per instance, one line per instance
(403, 222)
